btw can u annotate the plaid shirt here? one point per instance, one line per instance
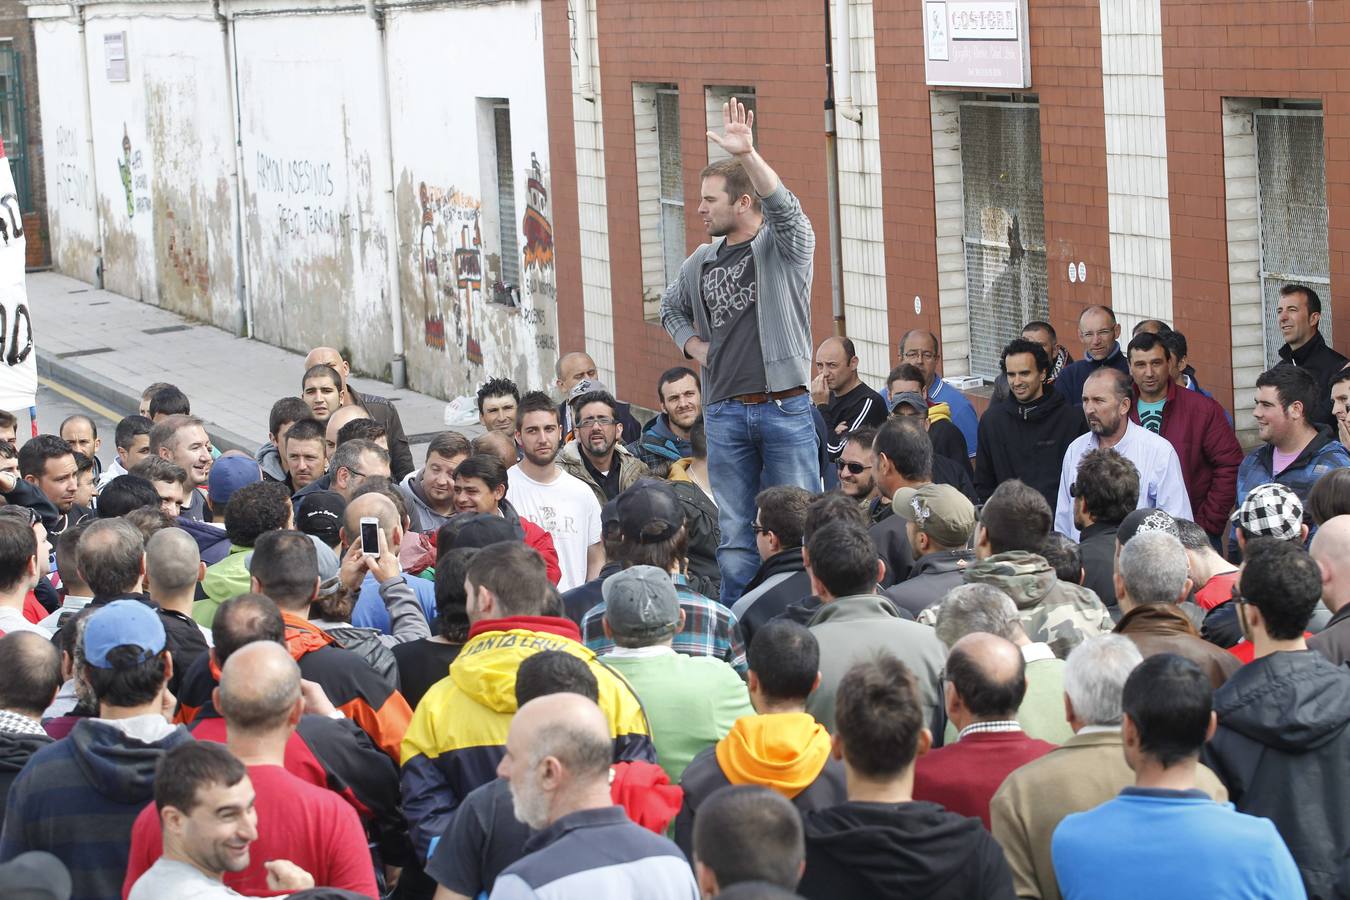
(710, 629)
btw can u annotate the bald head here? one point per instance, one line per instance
(343, 415)
(172, 561)
(1331, 549)
(30, 673)
(988, 674)
(327, 356)
(259, 688)
(572, 729)
(375, 505)
(498, 444)
(572, 367)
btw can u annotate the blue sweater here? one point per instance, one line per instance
(1161, 844)
(78, 798)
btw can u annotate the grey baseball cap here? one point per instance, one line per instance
(910, 398)
(640, 602)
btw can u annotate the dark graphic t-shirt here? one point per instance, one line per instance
(730, 291)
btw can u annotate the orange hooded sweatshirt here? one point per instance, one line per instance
(782, 751)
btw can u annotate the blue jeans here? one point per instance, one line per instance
(752, 447)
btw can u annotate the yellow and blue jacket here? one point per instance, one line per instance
(458, 732)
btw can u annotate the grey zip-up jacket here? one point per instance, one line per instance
(784, 250)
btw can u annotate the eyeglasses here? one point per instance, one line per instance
(916, 355)
(593, 421)
(855, 468)
(760, 529)
(1073, 490)
(1103, 334)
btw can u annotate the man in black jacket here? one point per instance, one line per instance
(882, 843)
(381, 410)
(844, 401)
(1105, 492)
(1298, 312)
(1283, 743)
(939, 521)
(1025, 436)
(781, 580)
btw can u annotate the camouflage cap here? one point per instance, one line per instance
(938, 510)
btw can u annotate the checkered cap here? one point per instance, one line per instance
(1271, 510)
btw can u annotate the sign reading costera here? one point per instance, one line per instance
(976, 43)
(18, 365)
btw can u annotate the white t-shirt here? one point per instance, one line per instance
(567, 509)
(169, 878)
(12, 620)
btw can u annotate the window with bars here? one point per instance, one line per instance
(1004, 226)
(506, 196)
(1292, 213)
(660, 183)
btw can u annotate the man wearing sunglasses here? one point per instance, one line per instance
(855, 465)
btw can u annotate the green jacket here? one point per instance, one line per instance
(1061, 614)
(224, 580)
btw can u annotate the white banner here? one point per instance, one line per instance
(18, 360)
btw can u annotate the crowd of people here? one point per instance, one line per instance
(793, 637)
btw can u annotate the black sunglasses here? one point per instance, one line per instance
(855, 468)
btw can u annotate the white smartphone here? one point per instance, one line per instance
(370, 536)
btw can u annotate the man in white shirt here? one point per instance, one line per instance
(559, 503)
(205, 803)
(1106, 405)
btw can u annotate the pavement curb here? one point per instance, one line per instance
(78, 378)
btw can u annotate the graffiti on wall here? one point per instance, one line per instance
(135, 182)
(537, 227)
(72, 178)
(450, 268)
(303, 191)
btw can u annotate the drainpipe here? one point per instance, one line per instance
(398, 373)
(89, 139)
(845, 103)
(832, 187)
(586, 87)
(241, 291)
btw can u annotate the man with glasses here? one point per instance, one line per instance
(596, 457)
(1100, 333)
(855, 466)
(920, 349)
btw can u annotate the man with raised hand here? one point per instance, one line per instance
(741, 306)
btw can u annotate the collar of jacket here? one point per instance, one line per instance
(789, 560)
(1300, 357)
(1155, 618)
(547, 624)
(1107, 359)
(1098, 528)
(854, 608)
(1172, 389)
(1267, 452)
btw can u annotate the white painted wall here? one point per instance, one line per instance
(73, 230)
(498, 55)
(317, 232)
(161, 158)
(861, 227)
(1136, 161)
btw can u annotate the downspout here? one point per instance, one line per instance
(241, 292)
(398, 373)
(832, 187)
(585, 85)
(845, 103)
(89, 139)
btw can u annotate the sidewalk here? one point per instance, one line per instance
(110, 348)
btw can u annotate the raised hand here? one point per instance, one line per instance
(737, 137)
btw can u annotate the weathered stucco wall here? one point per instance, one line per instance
(317, 233)
(458, 328)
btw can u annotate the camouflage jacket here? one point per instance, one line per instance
(1061, 614)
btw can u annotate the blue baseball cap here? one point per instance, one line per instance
(229, 474)
(122, 623)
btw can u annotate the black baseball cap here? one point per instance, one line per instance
(649, 512)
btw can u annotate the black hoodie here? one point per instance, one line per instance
(901, 850)
(1283, 751)
(15, 749)
(1026, 441)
